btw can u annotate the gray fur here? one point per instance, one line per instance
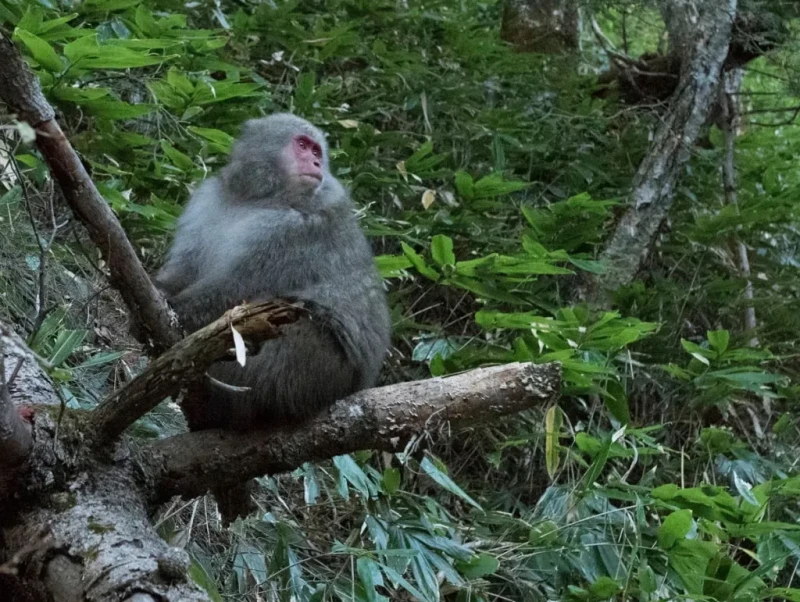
(250, 235)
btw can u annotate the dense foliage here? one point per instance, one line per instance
(487, 180)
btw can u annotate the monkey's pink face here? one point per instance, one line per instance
(303, 160)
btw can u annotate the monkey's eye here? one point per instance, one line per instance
(302, 144)
(317, 152)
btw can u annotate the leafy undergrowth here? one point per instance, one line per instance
(487, 181)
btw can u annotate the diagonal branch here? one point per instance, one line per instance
(188, 360)
(381, 419)
(701, 33)
(20, 90)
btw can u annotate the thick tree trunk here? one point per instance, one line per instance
(702, 30)
(542, 26)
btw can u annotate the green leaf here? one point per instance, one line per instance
(543, 534)
(478, 566)
(178, 159)
(604, 588)
(100, 359)
(198, 574)
(392, 266)
(87, 53)
(419, 263)
(218, 137)
(617, 401)
(65, 345)
(116, 109)
(391, 480)
(465, 186)
(494, 185)
(442, 250)
(689, 558)
(355, 475)
(369, 573)
(719, 339)
(674, 528)
(40, 50)
(213, 92)
(445, 481)
(697, 352)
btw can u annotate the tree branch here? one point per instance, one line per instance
(702, 30)
(21, 91)
(186, 361)
(382, 419)
(729, 102)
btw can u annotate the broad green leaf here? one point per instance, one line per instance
(697, 352)
(199, 576)
(87, 53)
(391, 480)
(79, 95)
(355, 475)
(478, 566)
(719, 340)
(369, 573)
(445, 481)
(419, 263)
(674, 528)
(465, 186)
(222, 139)
(689, 558)
(116, 109)
(65, 345)
(442, 250)
(40, 50)
(178, 159)
(604, 588)
(392, 266)
(213, 92)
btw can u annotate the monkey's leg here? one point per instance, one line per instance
(201, 414)
(236, 501)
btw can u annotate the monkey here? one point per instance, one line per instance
(275, 223)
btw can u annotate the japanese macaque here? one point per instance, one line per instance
(276, 224)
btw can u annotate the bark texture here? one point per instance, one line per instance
(542, 26)
(703, 31)
(383, 419)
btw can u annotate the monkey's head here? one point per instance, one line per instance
(278, 155)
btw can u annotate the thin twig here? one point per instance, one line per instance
(730, 83)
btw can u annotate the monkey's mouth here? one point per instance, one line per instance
(315, 176)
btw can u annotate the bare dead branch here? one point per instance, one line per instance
(20, 90)
(186, 361)
(384, 418)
